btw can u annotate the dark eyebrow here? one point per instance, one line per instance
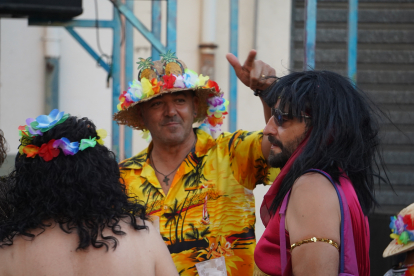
(179, 94)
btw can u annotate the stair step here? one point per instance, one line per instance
(364, 36)
(397, 138)
(402, 157)
(367, 76)
(364, 56)
(391, 96)
(364, 16)
(389, 197)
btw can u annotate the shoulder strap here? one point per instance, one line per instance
(282, 236)
(347, 238)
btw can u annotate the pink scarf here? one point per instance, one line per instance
(274, 189)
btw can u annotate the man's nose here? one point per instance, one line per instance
(170, 109)
(270, 128)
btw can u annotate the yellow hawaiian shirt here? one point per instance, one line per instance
(209, 210)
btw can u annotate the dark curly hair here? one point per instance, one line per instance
(3, 148)
(82, 193)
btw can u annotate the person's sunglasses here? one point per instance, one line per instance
(280, 117)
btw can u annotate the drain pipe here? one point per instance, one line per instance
(208, 38)
(52, 56)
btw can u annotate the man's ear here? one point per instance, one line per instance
(195, 105)
(140, 113)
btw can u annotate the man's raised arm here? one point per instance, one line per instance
(253, 74)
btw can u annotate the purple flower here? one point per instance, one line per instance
(215, 101)
(399, 225)
(66, 146)
(30, 129)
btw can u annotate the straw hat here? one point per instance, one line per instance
(170, 75)
(402, 227)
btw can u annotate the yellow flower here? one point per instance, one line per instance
(146, 88)
(202, 80)
(102, 135)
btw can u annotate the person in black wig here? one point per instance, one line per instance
(320, 120)
(70, 213)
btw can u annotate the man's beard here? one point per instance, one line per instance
(279, 160)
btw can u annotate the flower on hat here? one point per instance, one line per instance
(156, 85)
(66, 146)
(31, 150)
(146, 88)
(402, 228)
(87, 143)
(190, 78)
(135, 90)
(179, 82)
(47, 151)
(211, 84)
(46, 122)
(123, 101)
(409, 222)
(169, 81)
(202, 80)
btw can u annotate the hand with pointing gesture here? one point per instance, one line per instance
(253, 73)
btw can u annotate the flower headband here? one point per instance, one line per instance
(50, 150)
(402, 228)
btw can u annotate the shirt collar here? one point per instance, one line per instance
(204, 143)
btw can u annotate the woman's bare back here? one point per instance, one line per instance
(139, 252)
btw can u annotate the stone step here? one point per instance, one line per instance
(391, 96)
(403, 157)
(396, 137)
(300, 3)
(367, 76)
(399, 197)
(401, 117)
(364, 16)
(364, 56)
(402, 178)
(364, 36)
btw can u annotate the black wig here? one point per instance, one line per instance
(343, 130)
(81, 193)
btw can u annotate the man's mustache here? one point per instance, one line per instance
(275, 142)
(174, 119)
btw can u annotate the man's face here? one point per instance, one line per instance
(283, 139)
(169, 118)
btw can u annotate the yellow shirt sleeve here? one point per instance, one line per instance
(246, 158)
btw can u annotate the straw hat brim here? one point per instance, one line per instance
(130, 116)
(393, 248)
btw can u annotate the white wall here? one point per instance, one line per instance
(83, 88)
(21, 76)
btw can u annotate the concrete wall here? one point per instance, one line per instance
(264, 24)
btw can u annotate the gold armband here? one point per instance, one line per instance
(314, 239)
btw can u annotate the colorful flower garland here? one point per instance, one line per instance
(50, 150)
(402, 228)
(139, 90)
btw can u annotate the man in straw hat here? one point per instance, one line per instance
(402, 228)
(199, 187)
